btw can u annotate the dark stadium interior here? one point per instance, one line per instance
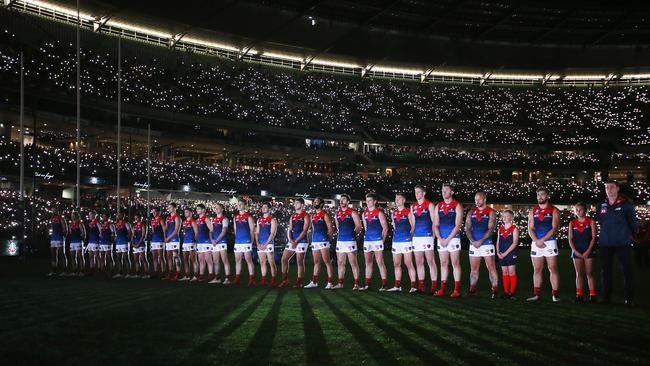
(527, 34)
(269, 101)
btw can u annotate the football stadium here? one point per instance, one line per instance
(324, 182)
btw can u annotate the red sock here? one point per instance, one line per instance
(434, 286)
(592, 292)
(356, 282)
(263, 280)
(236, 279)
(513, 284)
(398, 283)
(367, 281)
(506, 283)
(314, 279)
(412, 284)
(555, 292)
(341, 281)
(298, 280)
(495, 289)
(421, 285)
(383, 282)
(579, 291)
(285, 277)
(472, 289)
(457, 286)
(537, 291)
(329, 279)
(251, 280)
(443, 286)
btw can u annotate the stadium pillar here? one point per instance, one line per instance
(23, 206)
(119, 119)
(148, 169)
(78, 190)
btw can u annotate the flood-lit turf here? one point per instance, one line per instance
(89, 321)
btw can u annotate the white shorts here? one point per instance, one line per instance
(121, 248)
(373, 246)
(75, 246)
(318, 245)
(203, 247)
(156, 245)
(172, 246)
(104, 247)
(485, 250)
(243, 248)
(402, 247)
(219, 247)
(56, 244)
(265, 248)
(453, 246)
(93, 247)
(189, 247)
(346, 246)
(549, 251)
(300, 247)
(422, 243)
(139, 249)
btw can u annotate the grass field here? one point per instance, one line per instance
(91, 321)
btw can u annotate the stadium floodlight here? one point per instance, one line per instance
(335, 64)
(456, 74)
(201, 42)
(635, 76)
(517, 76)
(186, 188)
(395, 70)
(282, 56)
(264, 193)
(57, 8)
(585, 77)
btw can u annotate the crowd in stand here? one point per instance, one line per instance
(313, 101)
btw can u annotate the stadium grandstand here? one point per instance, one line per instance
(138, 110)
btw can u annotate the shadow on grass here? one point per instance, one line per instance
(366, 340)
(317, 351)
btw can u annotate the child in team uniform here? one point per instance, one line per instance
(582, 239)
(507, 243)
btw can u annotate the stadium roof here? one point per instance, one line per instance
(475, 36)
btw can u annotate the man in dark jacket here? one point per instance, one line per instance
(617, 218)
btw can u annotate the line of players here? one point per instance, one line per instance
(204, 246)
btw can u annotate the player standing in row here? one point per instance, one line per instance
(157, 242)
(106, 232)
(190, 232)
(77, 236)
(93, 242)
(348, 225)
(479, 227)
(507, 244)
(423, 211)
(267, 227)
(244, 233)
(447, 222)
(220, 245)
(59, 231)
(204, 243)
(297, 236)
(376, 229)
(543, 222)
(582, 240)
(138, 243)
(403, 223)
(321, 232)
(122, 236)
(172, 243)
